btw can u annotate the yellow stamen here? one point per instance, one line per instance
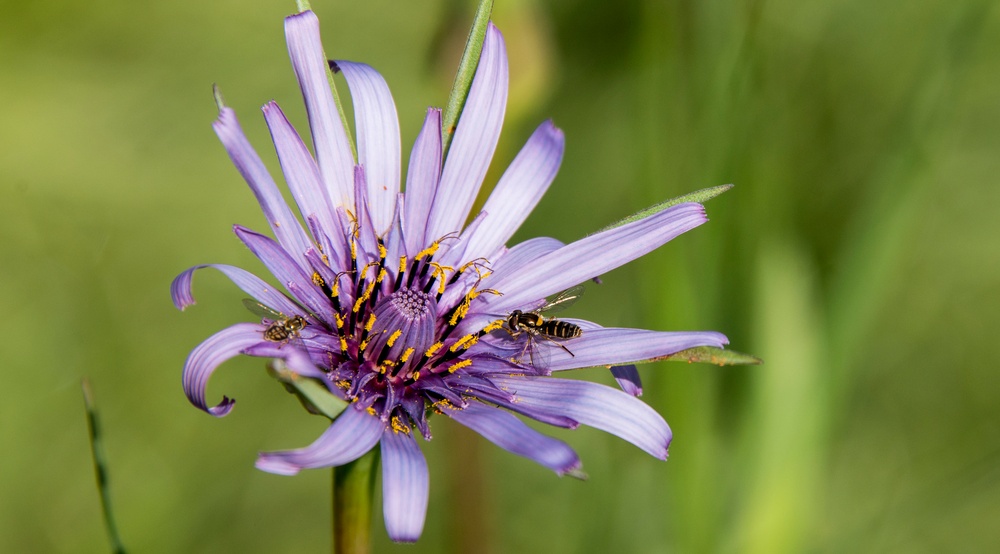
(381, 251)
(494, 326)
(317, 280)
(392, 338)
(406, 353)
(371, 321)
(343, 345)
(402, 265)
(459, 365)
(464, 342)
(433, 349)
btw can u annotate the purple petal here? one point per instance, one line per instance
(351, 435)
(595, 405)
(300, 170)
(208, 355)
(592, 256)
(283, 223)
(618, 346)
(333, 150)
(511, 434)
(422, 178)
(475, 140)
(378, 139)
(405, 486)
(281, 265)
(519, 190)
(180, 289)
(627, 377)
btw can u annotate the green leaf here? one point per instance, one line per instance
(466, 71)
(313, 395)
(700, 196)
(712, 355)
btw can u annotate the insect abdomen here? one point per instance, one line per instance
(560, 329)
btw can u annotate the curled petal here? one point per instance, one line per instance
(333, 150)
(511, 434)
(378, 139)
(180, 289)
(592, 256)
(595, 405)
(475, 140)
(207, 356)
(347, 439)
(405, 486)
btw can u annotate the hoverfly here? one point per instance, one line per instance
(282, 327)
(537, 328)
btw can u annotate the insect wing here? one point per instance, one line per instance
(261, 310)
(562, 300)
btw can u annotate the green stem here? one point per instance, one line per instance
(353, 487)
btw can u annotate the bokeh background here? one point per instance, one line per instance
(859, 255)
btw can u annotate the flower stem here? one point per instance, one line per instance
(353, 487)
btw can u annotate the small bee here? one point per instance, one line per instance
(282, 328)
(551, 330)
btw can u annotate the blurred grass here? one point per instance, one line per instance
(859, 255)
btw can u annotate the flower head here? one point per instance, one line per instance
(402, 309)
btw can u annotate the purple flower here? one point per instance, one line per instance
(405, 310)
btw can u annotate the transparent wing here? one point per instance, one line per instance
(562, 300)
(261, 310)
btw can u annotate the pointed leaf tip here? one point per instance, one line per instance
(699, 196)
(713, 355)
(220, 102)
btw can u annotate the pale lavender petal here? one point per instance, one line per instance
(350, 436)
(405, 486)
(283, 223)
(616, 346)
(506, 431)
(475, 140)
(521, 255)
(592, 256)
(300, 169)
(180, 289)
(207, 356)
(595, 405)
(378, 139)
(290, 273)
(422, 178)
(627, 377)
(333, 150)
(518, 191)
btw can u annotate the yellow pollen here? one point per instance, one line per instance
(386, 366)
(459, 365)
(340, 321)
(343, 345)
(371, 410)
(363, 345)
(398, 426)
(406, 353)
(326, 259)
(493, 326)
(402, 265)
(371, 321)
(381, 251)
(317, 280)
(392, 338)
(464, 342)
(354, 250)
(429, 251)
(433, 349)
(416, 375)
(381, 275)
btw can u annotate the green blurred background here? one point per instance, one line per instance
(859, 255)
